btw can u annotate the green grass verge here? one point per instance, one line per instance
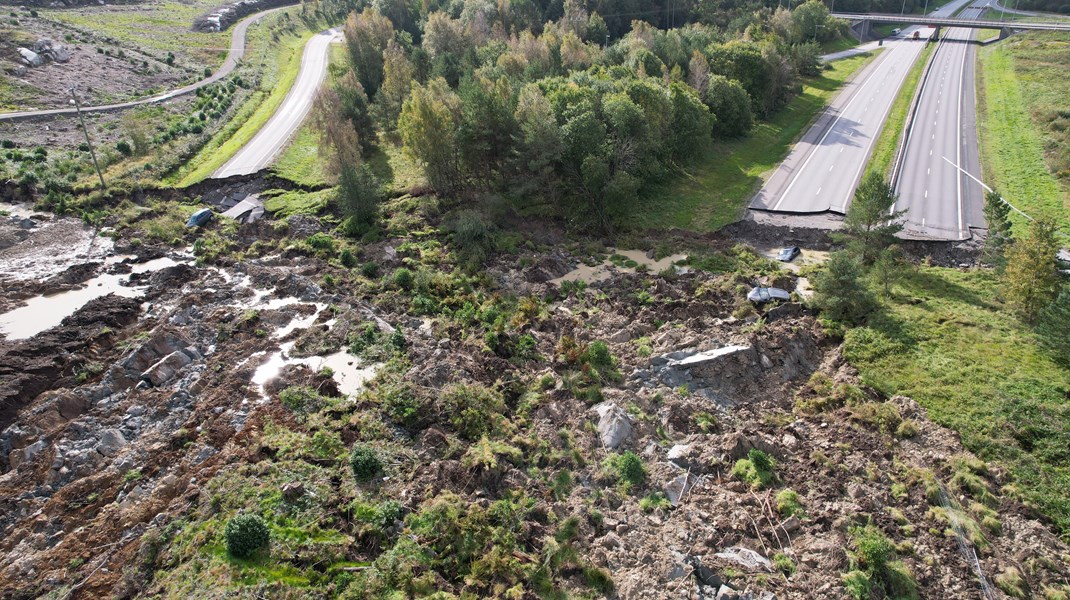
(300, 162)
(252, 115)
(716, 189)
(892, 132)
(945, 340)
(839, 45)
(296, 202)
(1023, 120)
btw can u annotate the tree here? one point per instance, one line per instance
(870, 225)
(1030, 279)
(539, 145)
(367, 35)
(691, 123)
(358, 197)
(888, 268)
(997, 215)
(398, 74)
(730, 105)
(744, 62)
(339, 143)
(1053, 328)
(487, 127)
(428, 126)
(839, 291)
(810, 21)
(698, 73)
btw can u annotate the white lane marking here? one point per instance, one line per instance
(926, 193)
(818, 192)
(831, 167)
(930, 152)
(841, 149)
(928, 171)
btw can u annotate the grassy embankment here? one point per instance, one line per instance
(1024, 124)
(282, 61)
(892, 132)
(944, 339)
(300, 161)
(715, 191)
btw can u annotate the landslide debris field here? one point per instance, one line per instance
(403, 424)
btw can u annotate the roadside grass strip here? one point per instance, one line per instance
(715, 190)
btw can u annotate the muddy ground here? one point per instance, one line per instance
(121, 425)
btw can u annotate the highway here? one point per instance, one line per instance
(821, 172)
(234, 56)
(276, 133)
(940, 202)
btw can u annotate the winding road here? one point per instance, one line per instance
(234, 56)
(260, 151)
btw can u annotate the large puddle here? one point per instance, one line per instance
(44, 312)
(49, 247)
(346, 369)
(631, 261)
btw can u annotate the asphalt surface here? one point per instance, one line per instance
(940, 201)
(821, 172)
(260, 151)
(234, 56)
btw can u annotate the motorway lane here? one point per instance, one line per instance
(940, 202)
(234, 56)
(260, 151)
(823, 169)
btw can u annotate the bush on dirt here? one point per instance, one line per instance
(246, 534)
(758, 469)
(473, 410)
(627, 469)
(365, 462)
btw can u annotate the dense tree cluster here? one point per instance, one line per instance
(570, 104)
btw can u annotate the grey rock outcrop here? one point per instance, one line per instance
(614, 425)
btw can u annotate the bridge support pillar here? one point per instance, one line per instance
(1005, 33)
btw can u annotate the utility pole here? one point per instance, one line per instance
(78, 107)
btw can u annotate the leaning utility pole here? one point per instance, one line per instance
(78, 107)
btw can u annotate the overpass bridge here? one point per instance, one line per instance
(1005, 27)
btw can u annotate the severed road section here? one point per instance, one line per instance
(276, 133)
(823, 169)
(942, 203)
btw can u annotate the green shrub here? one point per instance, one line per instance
(757, 469)
(474, 410)
(403, 278)
(787, 504)
(654, 501)
(783, 563)
(370, 270)
(365, 462)
(302, 399)
(626, 468)
(246, 534)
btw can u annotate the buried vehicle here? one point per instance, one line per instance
(788, 254)
(200, 217)
(761, 295)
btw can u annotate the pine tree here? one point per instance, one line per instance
(997, 213)
(1030, 279)
(870, 226)
(839, 291)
